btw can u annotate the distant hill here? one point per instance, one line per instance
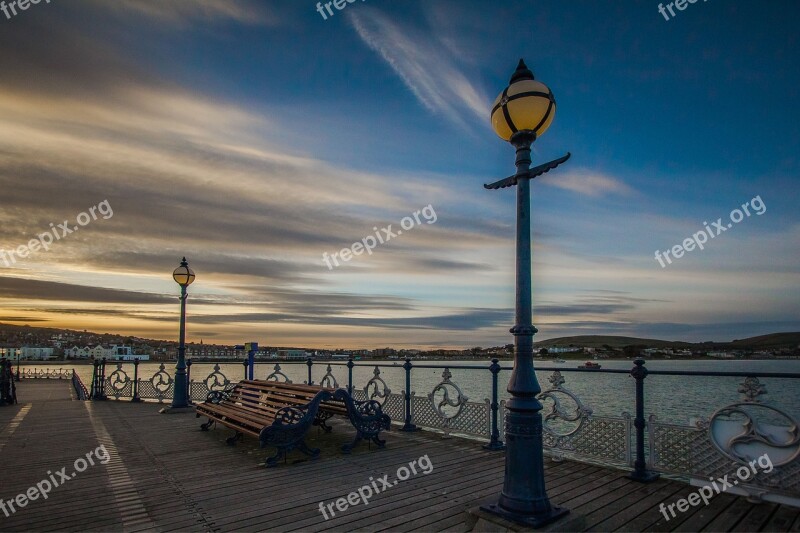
(598, 341)
(32, 334)
(773, 340)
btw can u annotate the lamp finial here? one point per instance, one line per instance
(522, 73)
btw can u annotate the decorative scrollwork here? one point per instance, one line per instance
(329, 380)
(560, 421)
(376, 388)
(751, 388)
(369, 408)
(736, 433)
(217, 396)
(443, 388)
(277, 374)
(216, 380)
(118, 380)
(161, 380)
(289, 415)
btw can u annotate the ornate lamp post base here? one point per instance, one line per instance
(534, 521)
(524, 498)
(647, 477)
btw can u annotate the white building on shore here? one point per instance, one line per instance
(115, 352)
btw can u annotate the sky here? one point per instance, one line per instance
(255, 137)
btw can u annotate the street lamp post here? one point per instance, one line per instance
(522, 112)
(17, 366)
(183, 276)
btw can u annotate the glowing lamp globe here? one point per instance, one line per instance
(525, 105)
(183, 275)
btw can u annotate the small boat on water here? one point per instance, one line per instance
(591, 365)
(559, 361)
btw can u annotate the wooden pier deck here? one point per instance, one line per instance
(166, 475)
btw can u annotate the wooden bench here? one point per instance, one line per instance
(280, 414)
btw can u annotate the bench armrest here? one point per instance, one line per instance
(292, 422)
(366, 416)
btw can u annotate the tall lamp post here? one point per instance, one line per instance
(183, 276)
(522, 112)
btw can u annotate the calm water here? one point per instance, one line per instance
(674, 398)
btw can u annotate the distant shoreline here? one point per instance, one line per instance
(537, 360)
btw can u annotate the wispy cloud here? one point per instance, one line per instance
(590, 183)
(181, 13)
(425, 64)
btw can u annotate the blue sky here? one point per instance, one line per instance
(253, 137)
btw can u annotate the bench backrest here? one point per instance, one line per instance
(268, 397)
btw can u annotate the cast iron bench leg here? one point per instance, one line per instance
(322, 421)
(231, 441)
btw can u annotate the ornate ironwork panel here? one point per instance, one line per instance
(377, 389)
(563, 413)
(747, 437)
(278, 375)
(329, 380)
(472, 418)
(448, 408)
(570, 429)
(119, 384)
(159, 387)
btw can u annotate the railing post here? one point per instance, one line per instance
(640, 472)
(310, 363)
(93, 390)
(102, 380)
(188, 382)
(246, 366)
(136, 380)
(409, 425)
(350, 365)
(495, 443)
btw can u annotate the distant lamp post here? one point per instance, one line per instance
(522, 112)
(17, 366)
(183, 276)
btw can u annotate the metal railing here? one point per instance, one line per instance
(571, 428)
(80, 388)
(45, 373)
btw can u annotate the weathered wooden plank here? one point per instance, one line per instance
(630, 504)
(782, 519)
(701, 519)
(757, 517)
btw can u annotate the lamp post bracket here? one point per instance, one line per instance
(530, 174)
